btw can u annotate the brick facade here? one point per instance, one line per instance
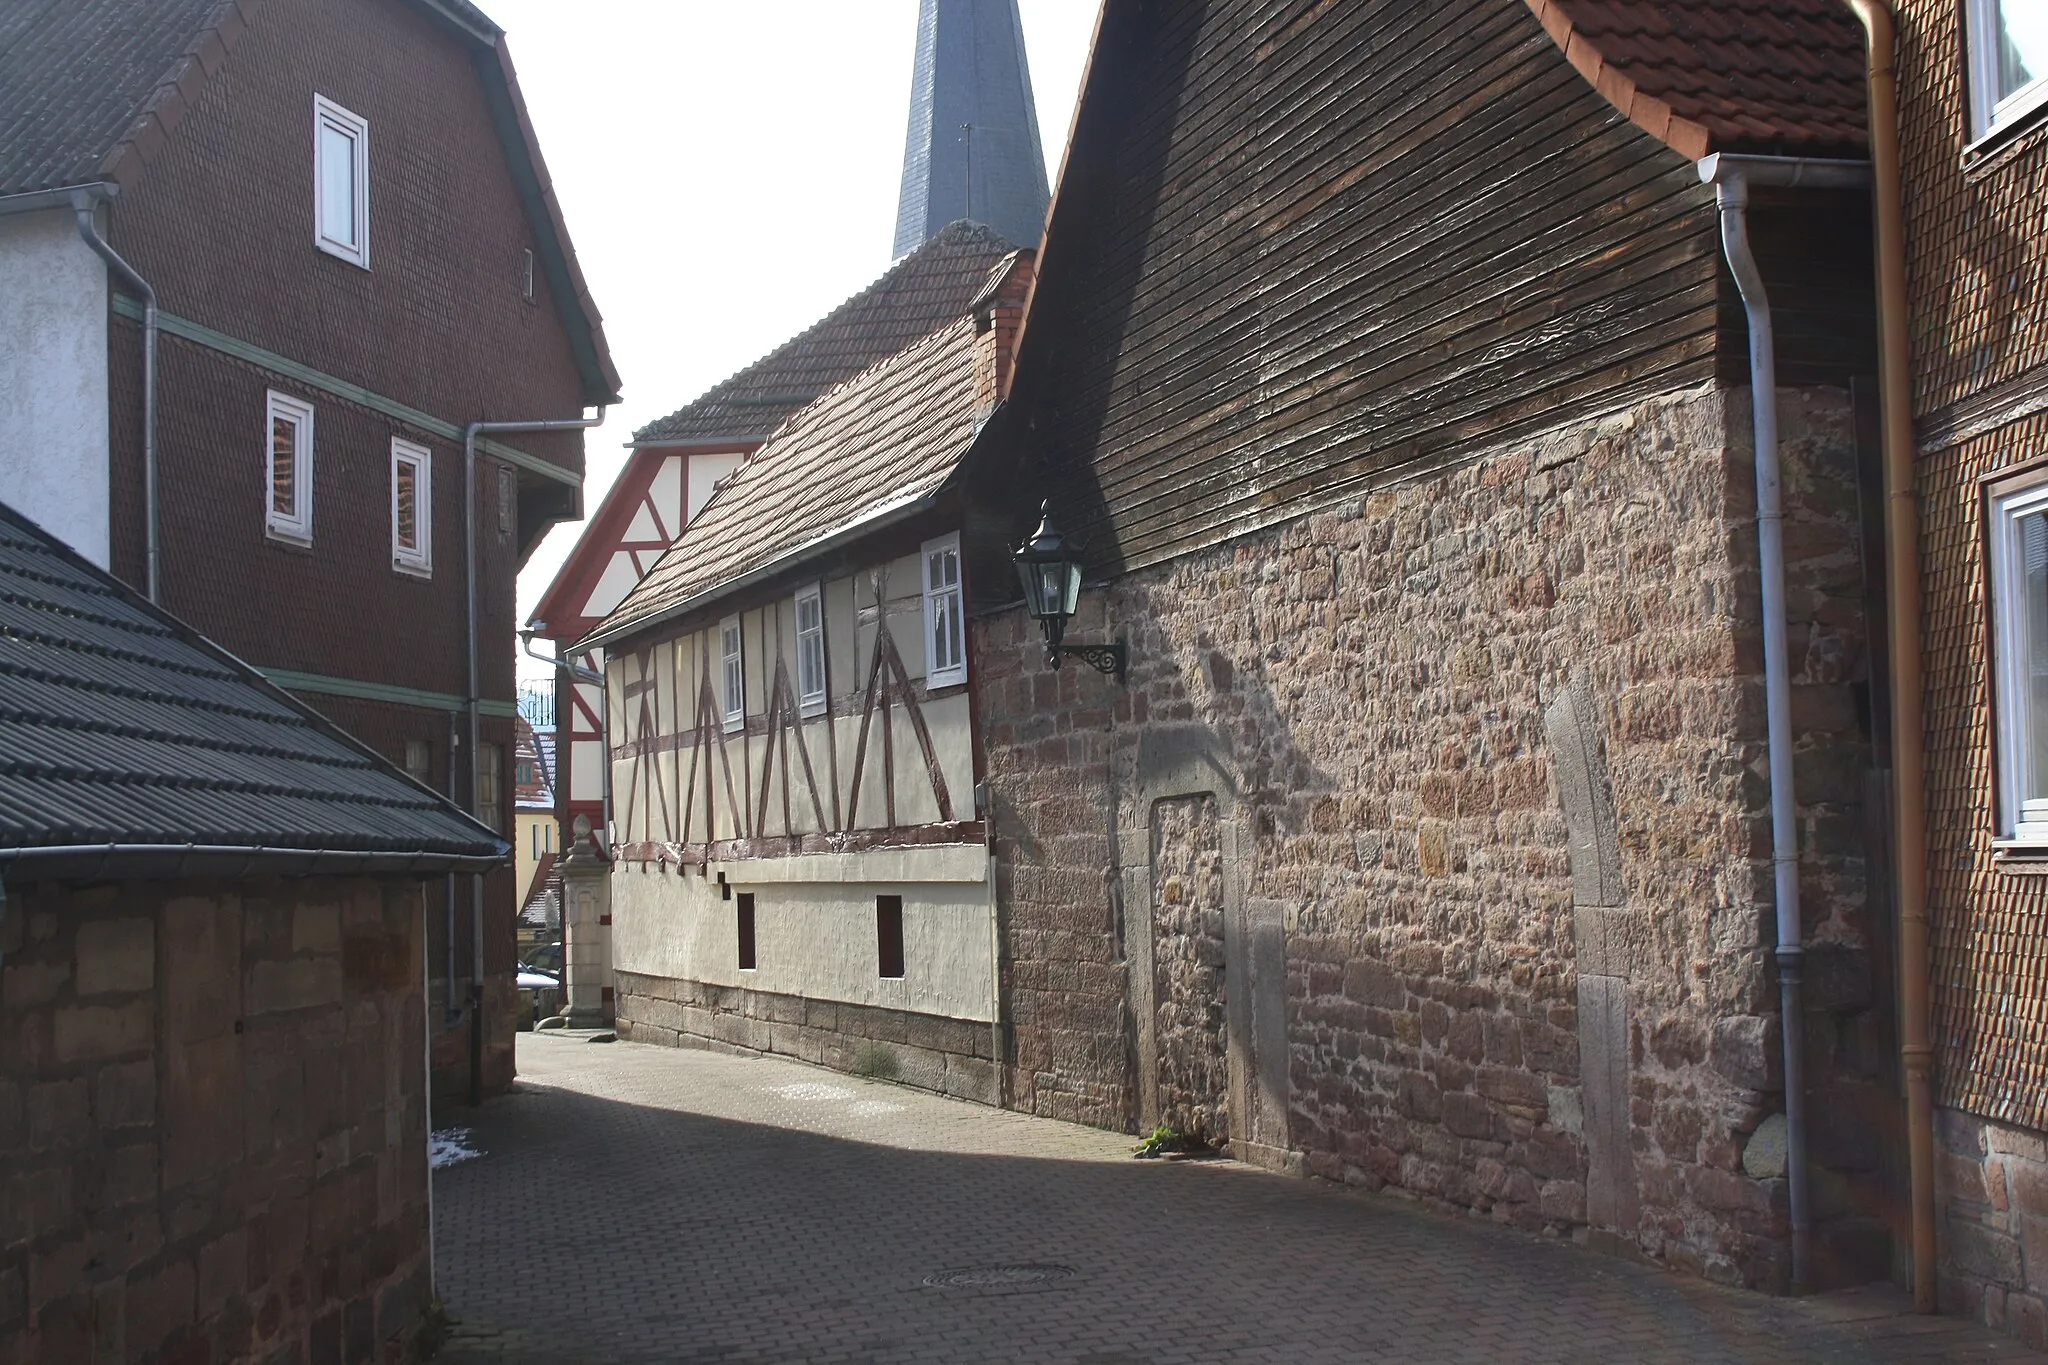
(219, 219)
(1978, 278)
(1359, 696)
(213, 1123)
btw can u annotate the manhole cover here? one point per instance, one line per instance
(998, 1276)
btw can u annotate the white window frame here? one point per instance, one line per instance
(2008, 580)
(295, 526)
(812, 694)
(938, 599)
(732, 655)
(1990, 115)
(327, 114)
(419, 559)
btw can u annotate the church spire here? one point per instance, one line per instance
(973, 149)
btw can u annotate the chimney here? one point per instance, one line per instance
(998, 315)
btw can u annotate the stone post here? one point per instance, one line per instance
(587, 939)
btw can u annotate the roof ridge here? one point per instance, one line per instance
(961, 232)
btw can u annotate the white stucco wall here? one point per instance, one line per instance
(53, 379)
(814, 927)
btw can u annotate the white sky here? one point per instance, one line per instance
(729, 174)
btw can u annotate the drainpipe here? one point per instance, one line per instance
(84, 204)
(471, 701)
(1731, 177)
(1902, 591)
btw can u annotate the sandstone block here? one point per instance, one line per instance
(116, 956)
(1763, 1156)
(59, 1114)
(27, 984)
(1563, 1200)
(124, 1095)
(297, 983)
(1747, 1050)
(1467, 1116)
(90, 1032)
(1374, 983)
(1983, 1253)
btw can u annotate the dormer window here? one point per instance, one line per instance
(2008, 62)
(341, 182)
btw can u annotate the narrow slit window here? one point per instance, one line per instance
(490, 785)
(526, 275)
(735, 674)
(288, 465)
(889, 936)
(743, 911)
(341, 182)
(412, 525)
(419, 761)
(945, 625)
(810, 651)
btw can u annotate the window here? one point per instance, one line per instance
(2019, 606)
(526, 275)
(889, 936)
(810, 651)
(508, 501)
(945, 628)
(412, 503)
(735, 696)
(490, 785)
(288, 513)
(419, 761)
(536, 840)
(745, 916)
(341, 182)
(2008, 62)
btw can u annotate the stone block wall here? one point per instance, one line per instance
(1991, 1190)
(1363, 692)
(213, 1123)
(930, 1051)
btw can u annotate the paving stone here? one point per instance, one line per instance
(639, 1204)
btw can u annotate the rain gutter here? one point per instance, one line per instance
(1902, 594)
(95, 862)
(1731, 177)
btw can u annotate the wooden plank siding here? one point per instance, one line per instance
(1309, 249)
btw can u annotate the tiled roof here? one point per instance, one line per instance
(882, 440)
(920, 294)
(120, 725)
(1783, 76)
(76, 79)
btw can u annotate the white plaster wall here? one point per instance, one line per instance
(814, 927)
(53, 380)
(705, 472)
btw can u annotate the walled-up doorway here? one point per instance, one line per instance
(1190, 983)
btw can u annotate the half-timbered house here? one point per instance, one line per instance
(801, 860)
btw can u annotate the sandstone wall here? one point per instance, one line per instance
(1362, 694)
(213, 1123)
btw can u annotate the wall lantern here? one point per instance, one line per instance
(1051, 572)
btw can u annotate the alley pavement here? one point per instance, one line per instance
(636, 1205)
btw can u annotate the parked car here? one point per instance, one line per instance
(540, 995)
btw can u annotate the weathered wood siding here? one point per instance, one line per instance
(1309, 248)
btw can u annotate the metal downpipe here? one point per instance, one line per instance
(84, 206)
(1731, 197)
(472, 700)
(1902, 592)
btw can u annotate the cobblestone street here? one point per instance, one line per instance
(637, 1204)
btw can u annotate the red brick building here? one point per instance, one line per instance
(345, 225)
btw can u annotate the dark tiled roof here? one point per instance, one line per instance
(882, 440)
(76, 78)
(121, 725)
(1723, 75)
(920, 294)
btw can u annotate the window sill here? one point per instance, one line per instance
(290, 540)
(945, 686)
(2020, 857)
(1989, 153)
(359, 259)
(420, 571)
(731, 726)
(811, 710)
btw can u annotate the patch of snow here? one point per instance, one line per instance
(450, 1145)
(811, 1090)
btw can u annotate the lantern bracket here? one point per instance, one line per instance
(1111, 659)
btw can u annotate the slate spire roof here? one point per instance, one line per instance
(973, 149)
(130, 745)
(914, 298)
